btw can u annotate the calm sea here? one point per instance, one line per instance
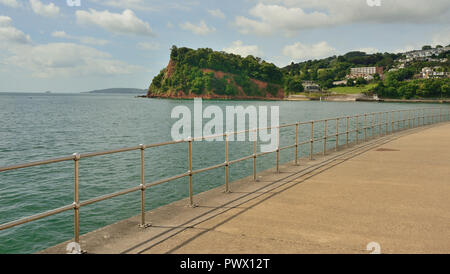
(40, 126)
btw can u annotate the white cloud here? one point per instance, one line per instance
(252, 26)
(5, 21)
(441, 38)
(239, 48)
(406, 49)
(83, 39)
(11, 35)
(92, 41)
(60, 34)
(148, 46)
(368, 50)
(55, 59)
(275, 17)
(126, 4)
(50, 10)
(11, 3)
(217, 13)
(154, 5)
(66, 60)
(300, 52)
(200, 29)
(291, 16)
(119, 23)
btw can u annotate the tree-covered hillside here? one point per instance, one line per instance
(335, 68)
(194, 72)
(213, 74)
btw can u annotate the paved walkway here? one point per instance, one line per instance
(393, 190)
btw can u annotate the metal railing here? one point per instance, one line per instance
(393, 121)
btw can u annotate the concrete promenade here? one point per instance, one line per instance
(394, 190)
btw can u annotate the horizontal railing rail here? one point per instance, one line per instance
(362, 126)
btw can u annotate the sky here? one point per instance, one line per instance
(82, 45)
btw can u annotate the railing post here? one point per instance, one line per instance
(433, 116)
(296, 143)
(386, 123)
(357, 129)
(414, 117)
(379, 124)
(325, 132)
(312, 141)
(76, 200)
(405, 118)
(365, 127)
(423, 117)
(373, 125)
(392, 121)
(278, 150)
(417, 118)
(419, 114)
(255, 144)
(227, 187)
(417, 122)
(337, 134)
(143, 224)
(348, 121)
(191, 196)
(409, 119)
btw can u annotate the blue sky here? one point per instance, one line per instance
(50, 45)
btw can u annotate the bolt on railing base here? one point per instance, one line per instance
(144, 226)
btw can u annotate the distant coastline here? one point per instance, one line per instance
(118, 91)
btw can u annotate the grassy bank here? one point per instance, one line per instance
(352, 90)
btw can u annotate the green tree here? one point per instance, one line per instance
(295, 85)
(360, 81)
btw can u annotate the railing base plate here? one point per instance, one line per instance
(144, 226)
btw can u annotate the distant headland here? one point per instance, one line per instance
(118, 91)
